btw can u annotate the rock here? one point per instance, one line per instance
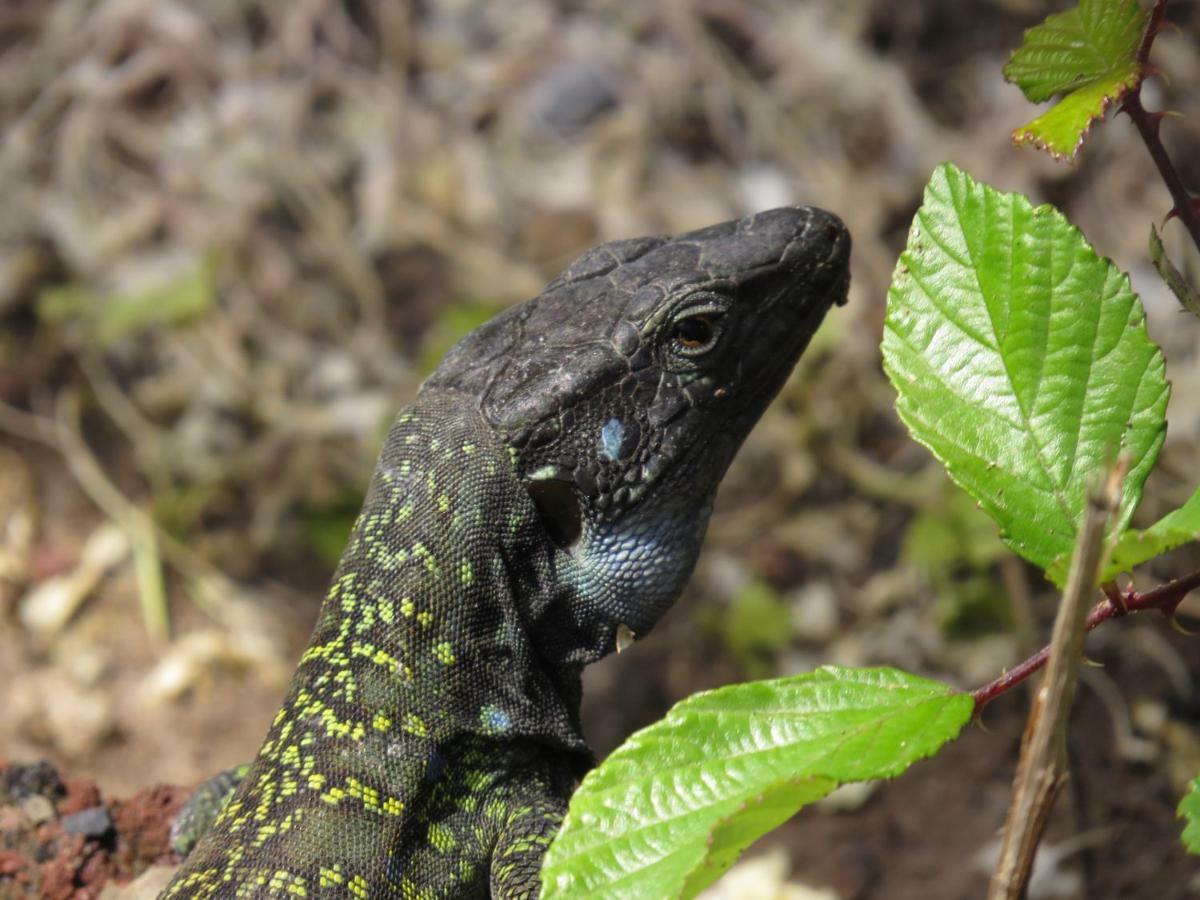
(146, 886)
(37, 809)
(94, 822)
(19, 782)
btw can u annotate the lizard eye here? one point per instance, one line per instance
(696, 333)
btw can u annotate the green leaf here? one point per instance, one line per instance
(1089, 55)
(1189, 810)
(1021, 361)
(954, 544)
(110, 317)
(951, 535)
(757, 625)
(455, 322)
(1171, 531)
(328, 528)
(731, 835)
(674, 806)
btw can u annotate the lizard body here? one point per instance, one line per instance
(547, 490)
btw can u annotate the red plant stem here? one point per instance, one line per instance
(1153, 24)
(1147, 125)
(1185, 206)
(1165, 598)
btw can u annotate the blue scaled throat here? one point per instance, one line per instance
(548, 489)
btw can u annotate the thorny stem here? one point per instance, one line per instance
(1147, 125)
(1165, 598)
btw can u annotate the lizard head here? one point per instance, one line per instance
(624, 389)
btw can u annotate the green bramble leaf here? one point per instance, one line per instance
(1171, 531)
(1021, 361)
(1189, 810)
(670, 810)
(1088, 54)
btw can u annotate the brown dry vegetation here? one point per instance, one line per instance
(235, 235)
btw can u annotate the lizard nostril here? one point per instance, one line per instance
(557, 505)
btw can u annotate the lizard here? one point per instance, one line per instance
(539, 504)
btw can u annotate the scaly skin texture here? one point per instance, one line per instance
(548, 489)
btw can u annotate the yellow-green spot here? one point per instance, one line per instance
(441, 837)
(381, 722)
(444, 653)
(466, 573)
(333, 796)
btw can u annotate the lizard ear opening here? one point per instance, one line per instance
(556, 503)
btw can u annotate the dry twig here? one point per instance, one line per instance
(1042, 769)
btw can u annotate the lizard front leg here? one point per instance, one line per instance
(521, 845)
(203, 807)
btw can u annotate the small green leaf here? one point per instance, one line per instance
(1089, 55)
(757, 625)
(1021, 361)
(954, 544)
(1172, 530)
(109, 317)
(1189, 810)
(328, 528)
(952, 535)
(455, 322)
(674, 806)
(152, 592)
(1184, 292)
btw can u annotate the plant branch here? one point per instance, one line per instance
(1153, 25)
(1165, 598)
(1147, 124)
(1042, 769)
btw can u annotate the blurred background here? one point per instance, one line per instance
(235, 236)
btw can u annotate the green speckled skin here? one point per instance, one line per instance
(549, 486)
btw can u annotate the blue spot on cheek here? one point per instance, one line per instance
(494, 720)
(612, 435)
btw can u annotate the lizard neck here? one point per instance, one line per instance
(428, 631)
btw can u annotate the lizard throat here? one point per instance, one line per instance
(629, 571)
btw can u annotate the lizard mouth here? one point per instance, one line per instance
(558, 508)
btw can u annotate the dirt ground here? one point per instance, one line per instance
(235, 237)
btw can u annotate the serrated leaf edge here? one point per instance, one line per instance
(1025, 135)
(948, 171)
